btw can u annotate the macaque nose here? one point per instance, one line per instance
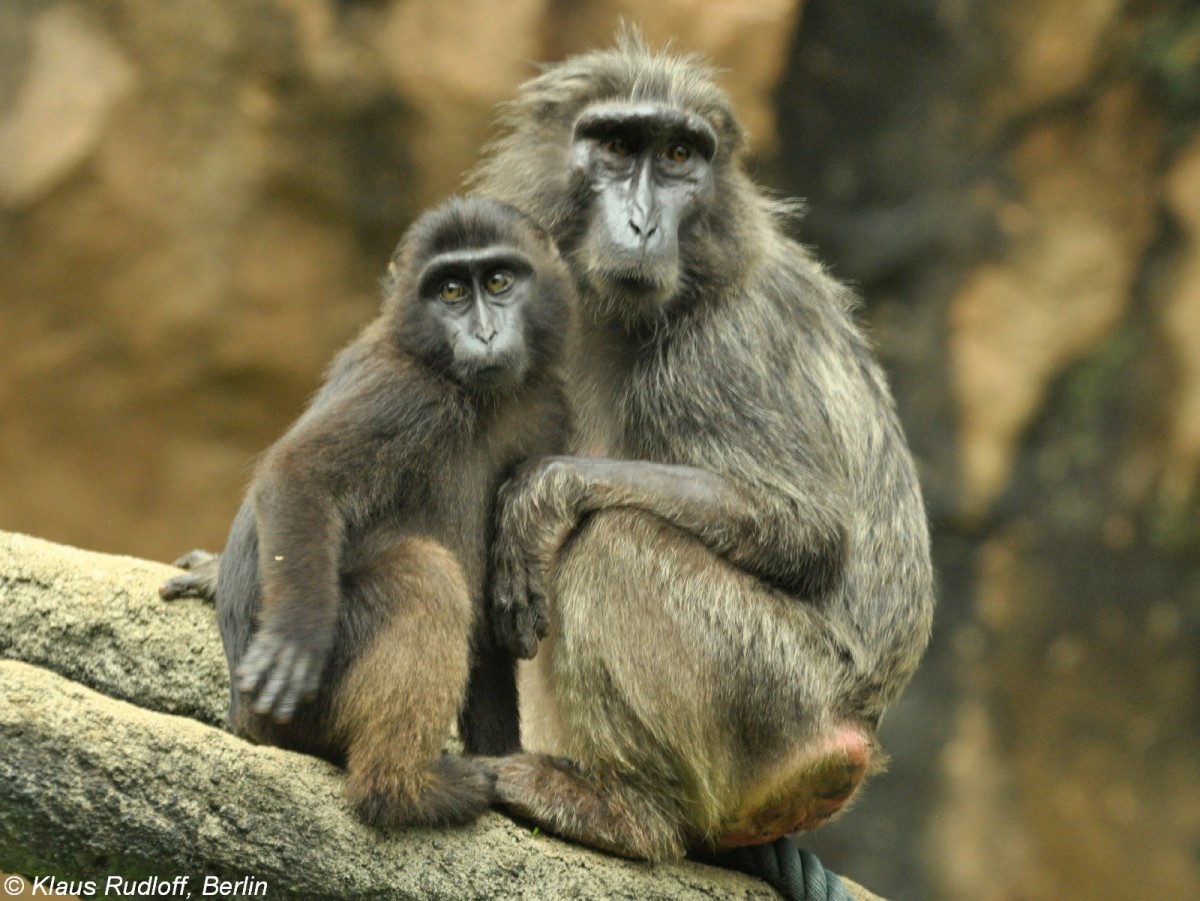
(486, 325)
(646, 231)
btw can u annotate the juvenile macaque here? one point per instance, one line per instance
(349, 592)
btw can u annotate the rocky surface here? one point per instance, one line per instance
(92, 786)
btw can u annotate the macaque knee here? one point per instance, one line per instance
(614, 548)
(414, 577)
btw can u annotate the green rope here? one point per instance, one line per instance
(793, 872)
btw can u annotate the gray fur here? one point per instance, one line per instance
(716, 619)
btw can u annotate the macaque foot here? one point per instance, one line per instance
(195, 559)
(453, 791)
(610, 812)
(199, 580)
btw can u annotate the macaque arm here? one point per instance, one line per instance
(794, 541)
(331, 462)
(299, 534)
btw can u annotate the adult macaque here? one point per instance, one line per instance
(731, 578)
(349, 589)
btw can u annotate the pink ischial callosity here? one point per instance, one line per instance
(821, 781)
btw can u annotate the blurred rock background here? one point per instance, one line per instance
(197, 199)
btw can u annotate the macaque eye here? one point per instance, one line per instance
(452, 291)
(679, 153)
(618, 147)
(498, 282)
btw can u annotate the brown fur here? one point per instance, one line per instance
(394, 718)
(349, 589)
(733, 575)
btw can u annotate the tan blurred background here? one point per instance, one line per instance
(198, 197)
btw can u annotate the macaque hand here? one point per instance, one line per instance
(536, 512)
(280, 672)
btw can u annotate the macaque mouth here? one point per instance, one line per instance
(495, 370)
(637, 283)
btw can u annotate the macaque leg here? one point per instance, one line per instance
(402, 691)
(696, 706)
(489, 722)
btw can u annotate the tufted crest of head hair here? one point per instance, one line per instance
(633, 72)
(526, 165)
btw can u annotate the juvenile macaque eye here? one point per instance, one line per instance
(618, 147)
(452, 291)
(498, 282)
(679, 153)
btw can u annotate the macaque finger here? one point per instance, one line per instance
(255, 664)
(277, 680)
(195, 558)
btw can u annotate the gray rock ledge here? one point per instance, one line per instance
(110, 764)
